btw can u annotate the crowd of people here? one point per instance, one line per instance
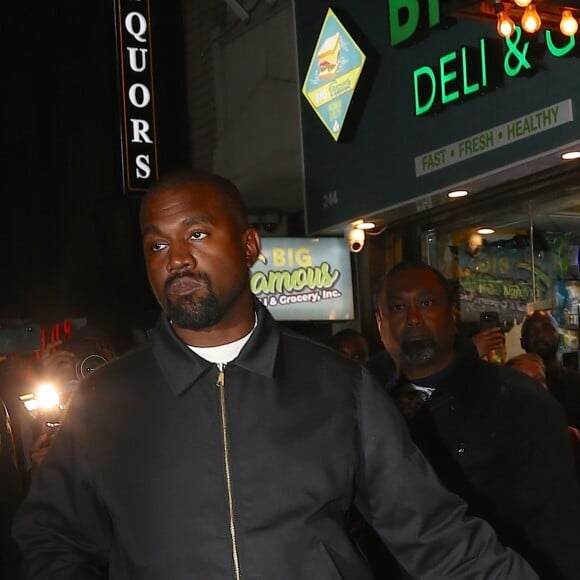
(228, 446)
(27, 435)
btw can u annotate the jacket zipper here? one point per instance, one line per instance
(221, 384)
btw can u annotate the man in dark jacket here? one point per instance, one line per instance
(10, 497)
(541, 334)
(230, 448)
(493, 436)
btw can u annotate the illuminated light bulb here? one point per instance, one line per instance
(522, 3)
(366, 226)
(485, 231)
(505, 25)
(568, 24)
(571, 155)
(457, 193)
(531, 21)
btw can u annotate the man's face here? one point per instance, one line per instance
(197, 257)
(542, 336)
(355, 347)
(417, 320)
(533, 369)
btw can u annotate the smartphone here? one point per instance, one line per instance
(488, 319)
(22, 338)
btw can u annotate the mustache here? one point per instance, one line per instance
(414, 335)
(199, 277)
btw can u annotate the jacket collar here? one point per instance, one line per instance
(182, 368)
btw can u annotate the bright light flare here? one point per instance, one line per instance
(47, 396)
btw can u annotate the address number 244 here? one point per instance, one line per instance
(329, 199)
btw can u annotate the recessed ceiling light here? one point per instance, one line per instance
(458, 193)
(571, 155)
(366, 225)
(486, 231)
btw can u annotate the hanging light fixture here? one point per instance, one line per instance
(568, 24)
(506, 11)
(531, 21)
(505, 25)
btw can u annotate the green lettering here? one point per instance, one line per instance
(447, 78)
(401, 31)
(421, 109)
(328, 277)
(258, 283)
(467, 88)
(559, 51)
(483, 62)
(272, 282)
(434, 15)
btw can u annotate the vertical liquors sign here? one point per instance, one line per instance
(138, 131)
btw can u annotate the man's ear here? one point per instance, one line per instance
(253, 245)
(379, 320)
(455, 313)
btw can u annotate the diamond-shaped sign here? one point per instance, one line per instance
(333, 74)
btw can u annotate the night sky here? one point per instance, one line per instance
(69, 234)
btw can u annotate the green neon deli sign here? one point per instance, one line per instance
(469, 70)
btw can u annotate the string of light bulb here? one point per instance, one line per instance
(531, 21)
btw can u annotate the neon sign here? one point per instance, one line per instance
(470, 70)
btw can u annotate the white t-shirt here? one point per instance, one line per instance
(224, 353)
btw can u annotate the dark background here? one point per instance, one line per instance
(69, 234)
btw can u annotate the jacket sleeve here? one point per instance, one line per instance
(548, 500)
(10, 494)
(422, 523)
(63, 528)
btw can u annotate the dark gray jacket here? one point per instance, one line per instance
(500, 441)
(10, 497)
(141, 483)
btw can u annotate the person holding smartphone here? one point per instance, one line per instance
(65, 364)
(490, 340)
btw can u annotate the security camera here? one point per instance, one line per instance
(270, 227)
(355, 238)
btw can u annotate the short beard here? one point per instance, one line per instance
(418, 352)
(193, 313)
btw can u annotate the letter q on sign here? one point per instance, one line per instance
(136, 26)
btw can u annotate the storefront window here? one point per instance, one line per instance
(525, 259)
